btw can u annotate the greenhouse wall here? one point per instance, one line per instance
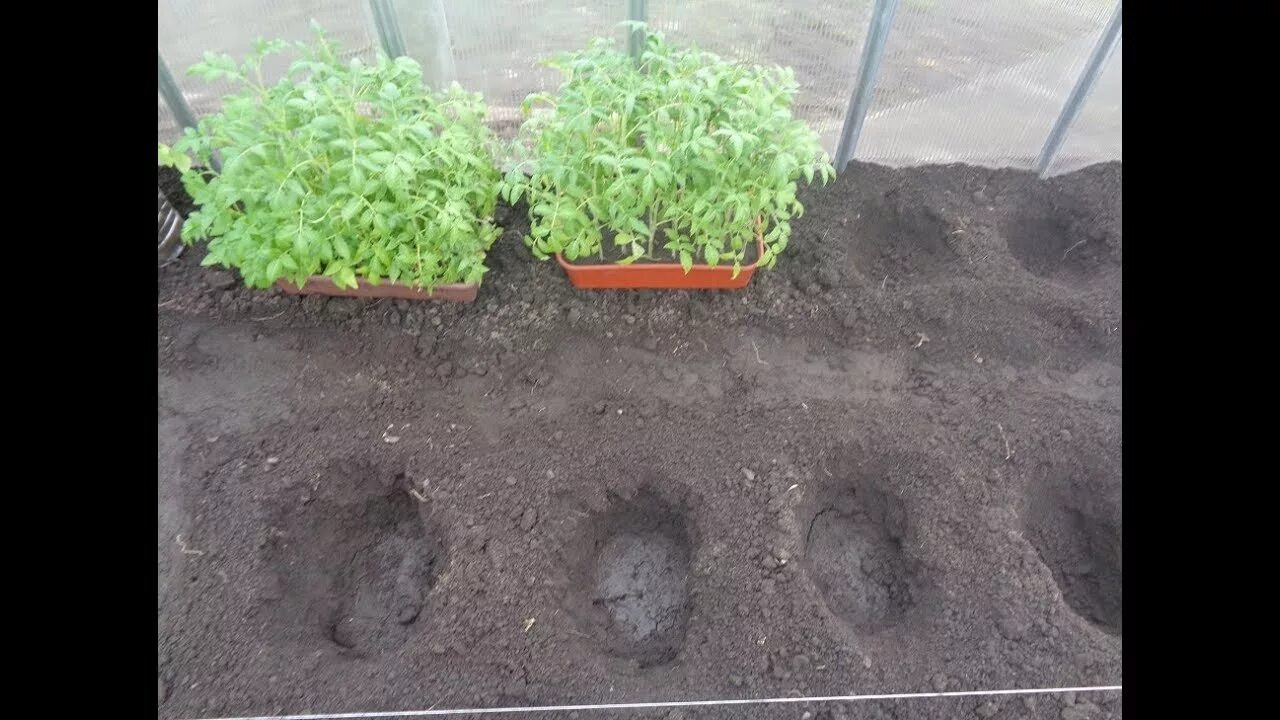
(985, 82)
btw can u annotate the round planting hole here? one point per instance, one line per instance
(358, 568)
(854, 544)
(1075, 527)
(634, 574)
(904, 240)
(641, 583)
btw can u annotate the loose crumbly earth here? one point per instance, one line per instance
(891, 464)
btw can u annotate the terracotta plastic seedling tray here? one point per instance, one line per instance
(319, 285)
(664, 276)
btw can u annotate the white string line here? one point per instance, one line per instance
(674, 703)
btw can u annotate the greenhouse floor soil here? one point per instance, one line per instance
(891, 464)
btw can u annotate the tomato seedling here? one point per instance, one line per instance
(681, 155)
(343, 169)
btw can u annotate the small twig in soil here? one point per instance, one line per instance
(1008, 453)
(272, 317)
(923, 339)
(166, 302)
(1073, 247)
(757, 349)
(186, 550)
(418, 496)
(884, 282)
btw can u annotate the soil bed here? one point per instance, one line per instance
(890, 464)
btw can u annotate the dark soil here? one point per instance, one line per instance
(891, 464)
(170, 182)
(636, 582)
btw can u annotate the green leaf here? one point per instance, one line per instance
(168, 157)
(325, 122)
(686, 261)
(346, 278)
(352, 207)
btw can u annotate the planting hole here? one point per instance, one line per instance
(854, 554)
(1051, 245)
(637, 580)
(1075, 529)
(902, 241)
(358, 570)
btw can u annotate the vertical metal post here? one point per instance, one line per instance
(177, 103)
(384, 18)
(1084, 85)
(423, 29)
(172, 95)
(864, 89)
(637, 11)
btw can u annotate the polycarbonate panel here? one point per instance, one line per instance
(1095, 135)
(497, 45)
(188, 28)
(977, 81)
(821, 40)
